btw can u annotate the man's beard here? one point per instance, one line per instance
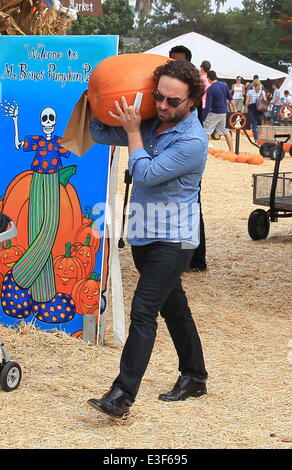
(179, 116)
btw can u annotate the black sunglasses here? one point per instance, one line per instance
(173, 102)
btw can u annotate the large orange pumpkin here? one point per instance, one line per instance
(123, 75)
(16, 202)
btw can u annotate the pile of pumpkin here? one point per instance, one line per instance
(242, 157)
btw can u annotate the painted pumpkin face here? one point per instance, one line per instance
(84, 255)
(9, 256)
(89, 295)
(86, 294)
(68, 270)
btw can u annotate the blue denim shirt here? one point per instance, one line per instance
(166, 176)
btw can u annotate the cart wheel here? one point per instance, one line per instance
(258, 224)
(266, 149)
(273, 154)
(10, 376)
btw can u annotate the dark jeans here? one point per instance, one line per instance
(159, 289)
(256, 119)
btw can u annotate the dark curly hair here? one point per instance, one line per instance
(187, 73)
(182, 50)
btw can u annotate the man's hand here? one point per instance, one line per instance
(128, 117)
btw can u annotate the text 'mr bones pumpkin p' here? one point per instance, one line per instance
(123, 75)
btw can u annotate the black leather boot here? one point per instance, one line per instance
(114, 403)
(184, 388)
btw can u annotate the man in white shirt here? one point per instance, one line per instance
(276, 102)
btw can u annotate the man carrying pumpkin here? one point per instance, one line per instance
(167, 156)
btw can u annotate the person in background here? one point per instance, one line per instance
(287, 98)
(237, 91)
(204, 69)
(214, 114)
(180, 53)
(256, 117)
(167, 157)
(198, 261)
(249, 86)
(276, 102)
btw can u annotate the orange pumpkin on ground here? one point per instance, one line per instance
(242, 158)
(225, 155)
(86, 294)
(212, 151)
(16, 201)
(123, 75)
(231, 157)
(68, 271)
(255, 160)
(217, 154)
(8, 256)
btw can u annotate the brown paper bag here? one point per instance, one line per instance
(77, 137)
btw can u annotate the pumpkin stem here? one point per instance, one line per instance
(68, 250)
(87, 241)
(8, 244)
(95, 276)
(88, 212)
(66, 173)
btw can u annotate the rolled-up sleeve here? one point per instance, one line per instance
(182, 157)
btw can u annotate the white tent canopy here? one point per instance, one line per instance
(226, 62)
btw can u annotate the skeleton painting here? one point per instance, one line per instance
(32, 276)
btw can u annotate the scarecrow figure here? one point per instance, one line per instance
(34, 270)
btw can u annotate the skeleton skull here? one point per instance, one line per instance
(48, 121)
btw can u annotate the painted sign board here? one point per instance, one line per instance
(85, 7)
(53, 272)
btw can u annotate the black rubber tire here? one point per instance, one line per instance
(258, 224)
(274, 154)
(266, 149)
(10, 376)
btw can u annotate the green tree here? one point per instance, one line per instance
(172, 18)
(84, 25)
(118, 19)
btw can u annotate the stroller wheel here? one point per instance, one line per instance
(10, 376)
